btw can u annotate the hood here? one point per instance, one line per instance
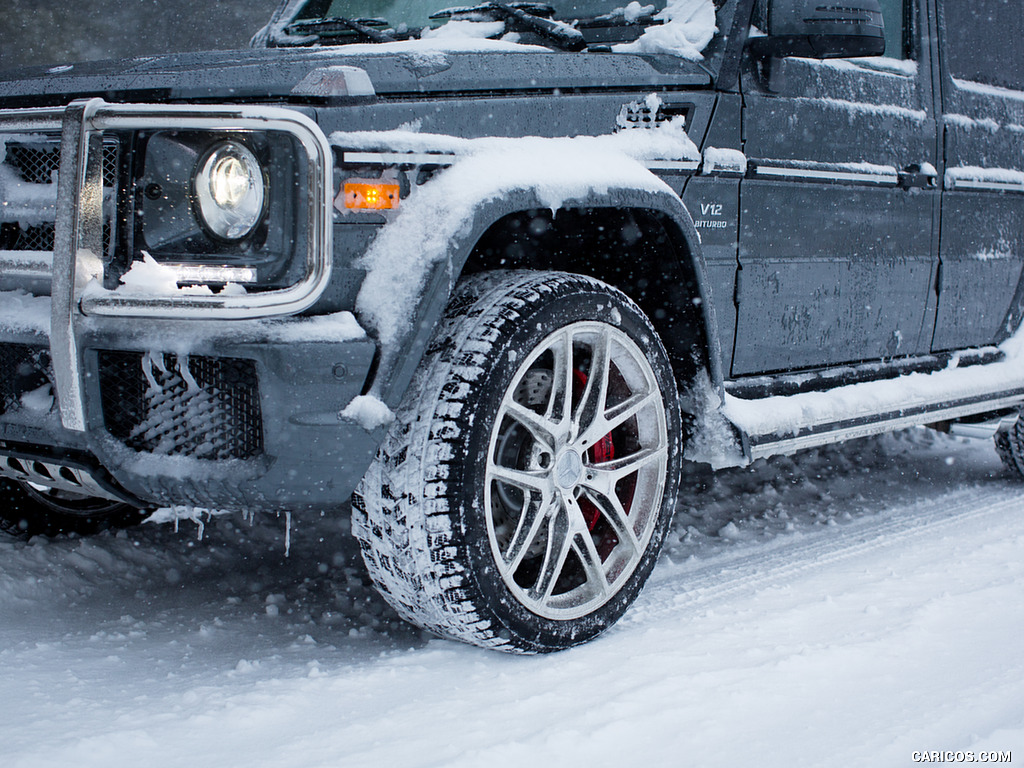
(395, 68)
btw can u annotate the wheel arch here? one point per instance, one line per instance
(641, 242)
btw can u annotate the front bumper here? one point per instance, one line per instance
(238, 415)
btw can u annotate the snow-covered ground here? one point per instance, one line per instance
(845, 607)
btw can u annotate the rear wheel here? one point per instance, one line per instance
(27, 509)
(522, 495)
(1010, 447)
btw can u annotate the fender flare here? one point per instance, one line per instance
(399, 363)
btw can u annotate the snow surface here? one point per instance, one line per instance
(845, 607)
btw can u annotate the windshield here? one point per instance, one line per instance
(417, 13)
(681, 28)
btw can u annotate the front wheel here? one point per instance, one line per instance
(522, 495)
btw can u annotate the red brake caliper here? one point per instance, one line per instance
(603, 450)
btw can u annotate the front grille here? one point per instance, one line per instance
(37, 162)
(25, 378)
(200, 407)
(14, 238)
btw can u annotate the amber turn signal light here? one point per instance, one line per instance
(371, 196)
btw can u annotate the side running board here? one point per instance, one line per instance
(785, 424)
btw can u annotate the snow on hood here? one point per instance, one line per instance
(555, 169)
(689, 25)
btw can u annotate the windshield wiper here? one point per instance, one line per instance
(529, 16)
(341, 24)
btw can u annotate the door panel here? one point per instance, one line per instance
(982, 231)
(841, 282)
(837, 253)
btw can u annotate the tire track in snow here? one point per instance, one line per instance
(684, 588)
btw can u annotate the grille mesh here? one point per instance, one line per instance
(24, 369)
(201, 407)
(38, 163)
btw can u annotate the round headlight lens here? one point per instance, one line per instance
(229, 190)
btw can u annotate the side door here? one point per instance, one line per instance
(981, 43)
(837, 213)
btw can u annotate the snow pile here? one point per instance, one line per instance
(964, 173)
(689, 25)
(368, 412)
(151, 278)
(24, 202)
(441, 211)
(339, 326)
(717, 160)
(21, 312)
(714, 438)
(989, 90)
(473, 30)
(634, 12)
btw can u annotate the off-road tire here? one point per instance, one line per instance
(1010, 447)
(26, 511)
(419, 513)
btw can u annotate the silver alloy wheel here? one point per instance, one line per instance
(575, 471)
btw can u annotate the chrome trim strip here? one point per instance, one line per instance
(671, 165)
(987, 186)
(398, 158)
(437, 158)
(779, 171)
(286, 301)
(802, 442)
(21, 268)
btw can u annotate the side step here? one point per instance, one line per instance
(785, 424)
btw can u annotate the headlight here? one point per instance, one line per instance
(229, 191)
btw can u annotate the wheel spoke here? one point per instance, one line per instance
(528, 480)
(603, 477)
(611, 508)
(542, 430)
(557, 552)
(591, 560)
(560, 406)
(528, 528)
(595, 395)
(617, 416)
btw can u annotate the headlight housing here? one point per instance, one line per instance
(213, 202)
(229, 191)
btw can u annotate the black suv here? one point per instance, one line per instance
(496, 272)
